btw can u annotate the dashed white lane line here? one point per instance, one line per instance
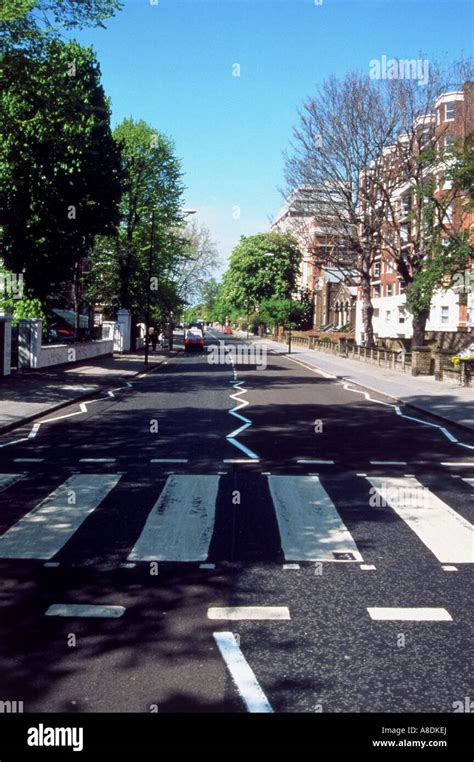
(28, 460)
(254, 613)
(388, 462)
(449, 568)
(421, 614)
(458, 463)
(240, 460)
(242, 675)
(85, 610)
(367, 567)
(291, 566)
(207, 566)
(97, 460)
(313, 462)
(179, 527)
(468, 481)
(44, 530)
(447, 534)
(168, 460)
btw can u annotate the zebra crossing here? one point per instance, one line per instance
(180, 525)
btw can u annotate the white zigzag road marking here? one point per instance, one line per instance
(82, 409)
(241, 404)
(445, 431)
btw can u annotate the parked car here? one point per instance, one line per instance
(194, 340)
(227, 329)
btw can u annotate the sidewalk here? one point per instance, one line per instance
(28, 395)
(448, 401)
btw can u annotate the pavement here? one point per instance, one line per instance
(235, 516)
(28, 394)
(445, 400)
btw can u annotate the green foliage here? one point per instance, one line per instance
(152, 188)
(262, 266)
(29, 22)
(438, 272)
(282, 312)
(59, 165)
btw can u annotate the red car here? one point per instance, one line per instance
(227, 329)
(194, 340)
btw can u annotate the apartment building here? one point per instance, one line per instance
(308, 214)
(452, 310)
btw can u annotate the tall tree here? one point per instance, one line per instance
(261, 267)
(342, 132)
(150, 221)
(59, 165)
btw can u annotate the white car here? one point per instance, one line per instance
(194, 340)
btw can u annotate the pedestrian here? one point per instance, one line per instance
(154, 338)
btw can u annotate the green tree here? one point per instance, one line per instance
(28, 22)
(150, 216)
(282, 312)
(261, 267)
(59, 165)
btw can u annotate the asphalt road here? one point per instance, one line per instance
(146, 503)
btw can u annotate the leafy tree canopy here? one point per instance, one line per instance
(59, 165)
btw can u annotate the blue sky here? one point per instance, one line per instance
(172, 64)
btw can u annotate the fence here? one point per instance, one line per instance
(385, 358)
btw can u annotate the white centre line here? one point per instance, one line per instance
(421, 614)
(447, 534)
(234, 613)
(242, 675)
(310, 526)
(85, 610)
(44, 530)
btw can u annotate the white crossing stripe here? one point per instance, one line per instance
(421, 614)
(249, 612)
(468, 481)
(447, 534)
(7, 479)
(310, 526)
(180, 524)
(44, 531)
(242, 675)
(85, 610)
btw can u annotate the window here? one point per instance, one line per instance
(449, 111)
(444, 315)
(389, 289)
(376, 269)
(376, 292)
(389, 266)
(376, 312)
(448, 215)
(449, 142)
(388, 315)
(404, 233)
(405, 208)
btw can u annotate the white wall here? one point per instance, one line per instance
(60, 354)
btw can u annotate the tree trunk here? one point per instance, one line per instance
(419, 325)
(367, 312)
